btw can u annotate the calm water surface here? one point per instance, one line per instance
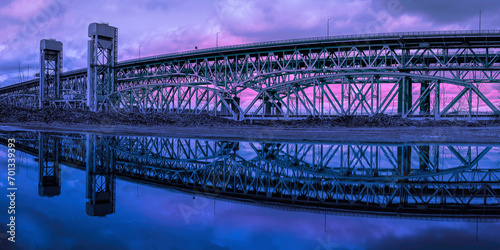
(87, 191)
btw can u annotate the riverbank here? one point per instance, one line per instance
(261, 133)
(370, 129)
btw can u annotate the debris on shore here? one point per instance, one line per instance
(11, 114)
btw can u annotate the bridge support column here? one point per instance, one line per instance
(51, 58)
(404, 160)
(267, 106)
(101, 180)
(49, 181)
(225, 109)
(425, 104)
(233, 105)
(101, 65)
(271, 108)
(405, 97)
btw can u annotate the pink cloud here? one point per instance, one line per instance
(22, 9)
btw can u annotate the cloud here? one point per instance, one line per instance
(261, 18)
(441, 237)
(169, 26)
(22, 8)
(448, 12)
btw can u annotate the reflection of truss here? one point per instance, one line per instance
(405, 180)
(423, 74)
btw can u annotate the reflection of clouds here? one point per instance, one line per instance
(72, 183)
(150, 218)
(498, 159)
(461, 236)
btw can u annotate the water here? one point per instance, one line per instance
(87, 191)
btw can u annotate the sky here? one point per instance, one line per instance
(158, 27)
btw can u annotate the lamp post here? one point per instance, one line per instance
(328, 27)
(480, 21)
(140, 51)
(217, 39)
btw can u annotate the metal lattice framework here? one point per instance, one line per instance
(103, 55)
(428, 181)
(343, 77)
(51, 56)
(421, 74)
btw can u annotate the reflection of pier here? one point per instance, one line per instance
(50, 171)
(425, 181)
(100, 177)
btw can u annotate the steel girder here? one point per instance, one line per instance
(21, 100)
(177, 98)
(22, 95)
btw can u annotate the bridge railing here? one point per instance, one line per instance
(314, 39)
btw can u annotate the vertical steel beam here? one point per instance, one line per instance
(404, 160)
(268, 106)
(234, 106)
(425, 104)
(424, 157)
(437, 100)
(405, 96)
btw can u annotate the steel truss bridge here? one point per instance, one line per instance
(420, 74)
(438, 182)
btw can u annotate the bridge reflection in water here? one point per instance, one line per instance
(438, 182)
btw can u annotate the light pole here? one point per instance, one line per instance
(328, 27)
(479, 21)
(217, 39)
(140, 51)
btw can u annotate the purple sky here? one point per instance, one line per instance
(169, 26)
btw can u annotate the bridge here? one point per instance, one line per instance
(413, 75)
(436, 182)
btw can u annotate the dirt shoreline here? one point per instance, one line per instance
(379, 128)
(266, 133)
